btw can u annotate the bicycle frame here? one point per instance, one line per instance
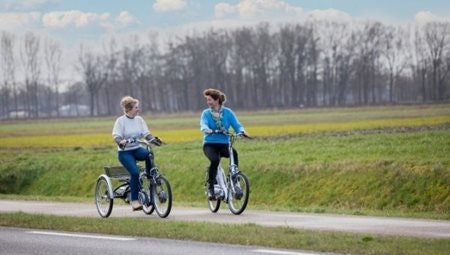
(154, 189)
(232, 188)
(222, 181)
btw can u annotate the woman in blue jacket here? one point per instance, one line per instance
(217, 117)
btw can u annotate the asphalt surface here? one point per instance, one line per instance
(422, 228)
(19, 241)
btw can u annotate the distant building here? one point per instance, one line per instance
(18, 114)
(72, 110)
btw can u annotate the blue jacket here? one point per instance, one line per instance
(227, 119)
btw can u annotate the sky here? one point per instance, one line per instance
(74, 21)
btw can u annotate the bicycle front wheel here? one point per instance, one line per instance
(144, 196)
(162, 196)
(238, 195)
(103, 201)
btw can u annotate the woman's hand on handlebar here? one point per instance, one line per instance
(215, 131)
(156, 141)
(245, 135)
(122, 143)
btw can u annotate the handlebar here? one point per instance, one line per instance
(155, 141)
(228, 133)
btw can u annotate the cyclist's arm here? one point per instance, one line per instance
(237, 126)
(117, 134)
(204, 127)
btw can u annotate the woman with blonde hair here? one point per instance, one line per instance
(127, 131)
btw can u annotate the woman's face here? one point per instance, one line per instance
(211, 102)
(134, 111)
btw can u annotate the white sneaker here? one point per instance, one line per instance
(135, 205)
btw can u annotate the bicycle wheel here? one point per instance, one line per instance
(238, 198)
(147, 205)
(162, 196)
(214, 205)
(103, 202)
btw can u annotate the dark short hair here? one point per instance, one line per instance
(215, 94)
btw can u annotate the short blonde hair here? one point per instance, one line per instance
(128, 102)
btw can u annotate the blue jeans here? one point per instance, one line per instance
(129, 160)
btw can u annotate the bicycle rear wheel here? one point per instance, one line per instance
(238, 197)
(214, 205)
(162, 196)
(103, 201)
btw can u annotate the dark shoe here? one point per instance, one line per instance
(238, 193)
(211, 195)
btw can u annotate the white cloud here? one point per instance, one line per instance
(330, 14)
(26, 4)
(223, 9)
(73, 18)
(169, 5)
(15, 20)
(275, 11)
(125, 19)
(426, 16)
(258, 9)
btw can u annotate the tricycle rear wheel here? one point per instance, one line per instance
(103, 201)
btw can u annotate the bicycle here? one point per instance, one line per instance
(233, 189)
(155, 192)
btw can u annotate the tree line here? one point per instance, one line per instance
(309, 64)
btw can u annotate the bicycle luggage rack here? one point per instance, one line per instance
(117, 172)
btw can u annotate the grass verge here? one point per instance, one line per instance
(244, 234)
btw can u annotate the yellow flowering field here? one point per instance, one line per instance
(86, 140)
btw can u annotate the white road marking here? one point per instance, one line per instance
(282, 252)
(82, 236)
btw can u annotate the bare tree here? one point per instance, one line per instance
(393, 51)
(32, 70)
(53, 53)
(8, 68)
(150, 75)
(419, 67)
(109, 90)
(240, 55)
(312, 62)
(369, 41)
(94, 75)
(437, 38)
(286, 65)
(73, 97)
(263, 64)
(337, 47)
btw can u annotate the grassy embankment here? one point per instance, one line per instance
(374, 161)
(377, 160)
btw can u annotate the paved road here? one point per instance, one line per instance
(357, 224)
(19, 241)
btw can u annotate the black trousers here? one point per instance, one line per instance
(214, 151)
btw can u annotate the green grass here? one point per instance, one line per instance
(369, 160)
(245, 234)
(384, 161)
(402, 174)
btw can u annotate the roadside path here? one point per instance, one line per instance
(347, 223)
